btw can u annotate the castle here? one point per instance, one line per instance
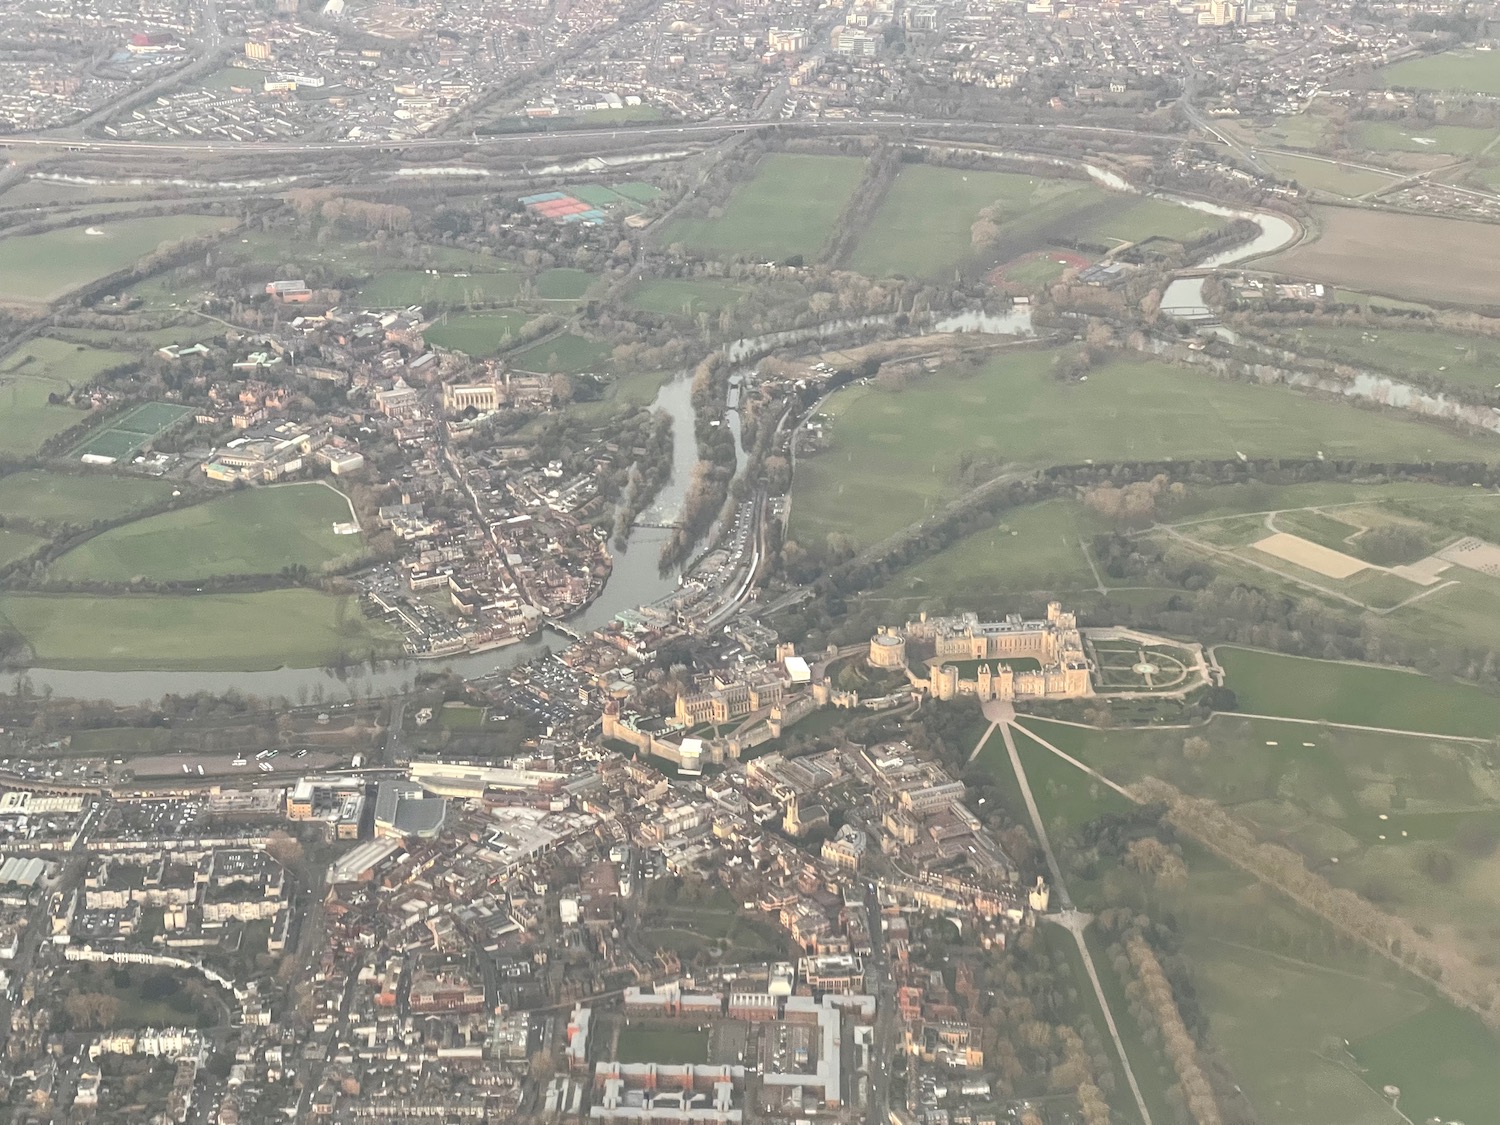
(1054, 644)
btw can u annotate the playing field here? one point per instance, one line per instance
(676, 297)
(1455, 357)
(251, 531)
(36, 369)
(788, 207)
(477, 334)
(562, 284)
(1271, 684)
(236, 632)
(80, 499)
(1476, 72)
(568, 353)
(895, 456)
(123, 436)
(1417, 256)
(1391, 136)
(38, 268)
(401, 288)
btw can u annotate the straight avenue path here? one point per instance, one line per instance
(1002, 715)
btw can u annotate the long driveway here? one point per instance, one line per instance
(1002, 715)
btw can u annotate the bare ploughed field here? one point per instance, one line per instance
(1415, 256)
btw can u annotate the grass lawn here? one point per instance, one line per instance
(17, 545)
(563, 284)
(1270, 684)
(1302, 130)
(250, 531)
(457, 716)
(625, 115)
(1443, 1059)
(1464, 360)
(400, 288)
(569, 353)
(68, 498)
(1340, 179)
(1032, 549)
(1281, 992)
(676, 297)
(38, 368)
(894, 456)
(661, 1042)
(38, 268)
(1396, 136)
(1477, 72)
(228, 632)
(922, 226)
(477, 334)
(1375, 301)
(788, 207)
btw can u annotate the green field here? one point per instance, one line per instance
(125, 434)
(562, 284)
(1392, 136)
(36, 369)
(661, 1042)
(228, 632)
(477, 334)
(457, 716)
(1340, 179)
(1454, 357)
(788, 207)
(1282, 994)
(1271, 684)
(251, 531)
(1303, 130)
(674, 297)
(569, 353)
(400, 288)
(59, 498)
(38, 268)
(1035, 549)
(924, 225)
(625, 115)
(1476, 72)
(894, 456)
(16, 545)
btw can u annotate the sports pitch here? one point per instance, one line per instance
(251, 531)
(788, 207)
(232, 632)
(121, 438)
(67, 498)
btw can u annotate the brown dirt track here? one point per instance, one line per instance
(1413, 256)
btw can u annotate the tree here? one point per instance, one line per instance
(1196, 748)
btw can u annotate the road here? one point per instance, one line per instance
(887, 1023)
(582, 139)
